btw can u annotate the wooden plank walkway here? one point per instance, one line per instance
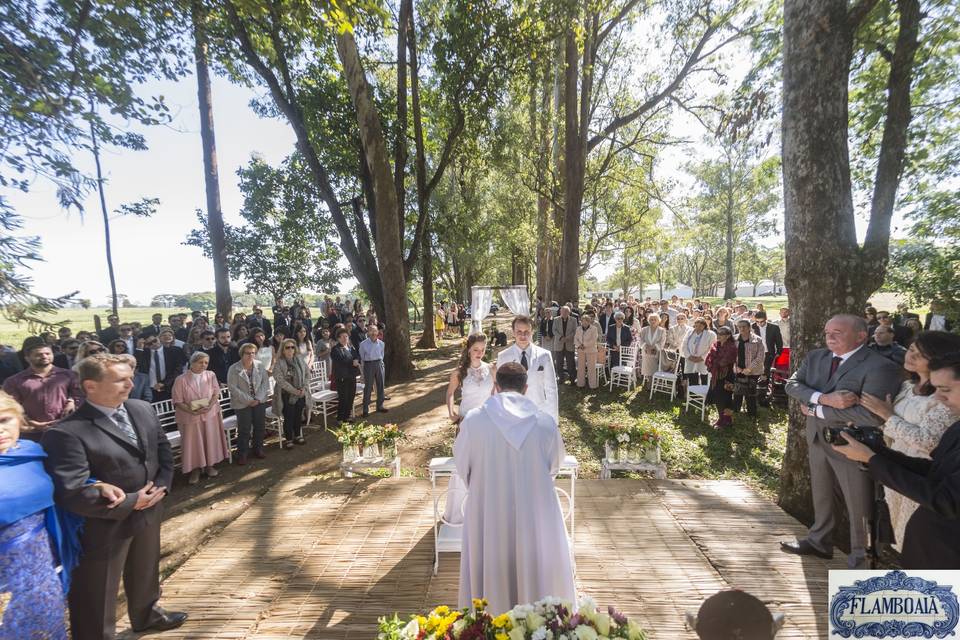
(319, 558)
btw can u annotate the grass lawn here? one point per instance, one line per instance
(690, 448)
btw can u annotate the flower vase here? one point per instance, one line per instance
(610, 451)
(624, 454)
(635, 455)
(389, 450)
(371, 451)
(350, 452)
(653, 454)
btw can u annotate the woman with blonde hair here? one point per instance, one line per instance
(652, 338)
(249, 385)
(291, 396)
(196, 396)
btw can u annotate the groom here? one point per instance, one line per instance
(538, 363)
(515, 546)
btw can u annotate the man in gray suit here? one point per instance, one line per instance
(564, 330)
(828, 385)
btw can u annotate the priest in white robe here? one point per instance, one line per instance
(515, 546)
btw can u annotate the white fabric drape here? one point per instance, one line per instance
(517, 300)
(480, 299)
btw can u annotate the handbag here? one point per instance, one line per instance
(744, 386)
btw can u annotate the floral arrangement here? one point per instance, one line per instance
(548, 619)
(363, 434)
(619, 434)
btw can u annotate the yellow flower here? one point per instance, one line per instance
(442, 610)
(603, 624)
(502, 636)
(479, 604)
(502, 621)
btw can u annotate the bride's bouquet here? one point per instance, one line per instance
(548, 619)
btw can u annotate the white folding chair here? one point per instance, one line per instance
(666, 381)
(625, 373)
(229, 421)
(697, 396)
(168, 422)
(323, 397)
(603, 364)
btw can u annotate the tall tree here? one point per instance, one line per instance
(211, 176)
(828, 271)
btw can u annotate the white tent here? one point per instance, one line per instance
(516, 297)
(680, 290)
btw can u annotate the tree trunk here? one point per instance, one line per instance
(827, 272)
(729, 279)
(106, 216)
(218, 244)
(389, 244)
(428, 339)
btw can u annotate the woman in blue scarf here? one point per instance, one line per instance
(36, 539)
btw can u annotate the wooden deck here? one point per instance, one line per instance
(318, 558)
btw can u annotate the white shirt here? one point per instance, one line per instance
(108, 411)
(157, 376)
(938, 322)
(763, 335)
(815, 396)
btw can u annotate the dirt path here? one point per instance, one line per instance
(196, 514)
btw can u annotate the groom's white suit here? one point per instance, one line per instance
(541, 376)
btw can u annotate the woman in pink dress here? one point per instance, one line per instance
(196, 396)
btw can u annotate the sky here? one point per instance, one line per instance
(148, 254)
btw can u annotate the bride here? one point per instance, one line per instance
(474, 378)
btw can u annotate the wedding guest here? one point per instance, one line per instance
(937, 319)
(439, 322)
(203, 442)
(322, 348)
(564, 329)
(67, 356)
(914, 327)
(720, 362)
(249, 384)
(734, 615)
(46, 393)
(618, 335)
(915, 420)
(546, 329)
(239, 333)
(586, 342)
(118, 441)
(723, 320)
(748, 369)
(930, 538)
(371, 355)
(652, 338)
(35, 537)
(279, 335)
(223, 354)
(304, 344)
(784, 324)
(694, 350)
(291, 397)
(884, 345)
(346, 368)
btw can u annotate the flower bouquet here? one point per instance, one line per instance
(548, 619)
(629, 444)
(368, 438)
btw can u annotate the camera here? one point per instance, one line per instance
(870, 436)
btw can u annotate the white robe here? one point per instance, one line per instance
(541, 376)
(515, 547)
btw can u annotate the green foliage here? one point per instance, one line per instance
(284, 245)
(925, 272)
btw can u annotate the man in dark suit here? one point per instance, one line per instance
(180, 332)
(606, 318)
(166, 363)
(828, 385)
(116, 441)
(154, 328)
(930, 539)
(222, 355)
(68, 354)
(256, 320)
(112, 331)
(772, 346)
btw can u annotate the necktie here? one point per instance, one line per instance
(523, 361)
(835, 364)
(156, 363)
(120, 417)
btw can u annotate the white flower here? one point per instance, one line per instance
(517, 633)
(412, 630)
(539, 634)
(521, 611)
(534, 621)
(586, 632)
(588, 605)
(602, 621)
(634, 632)
(623, 437)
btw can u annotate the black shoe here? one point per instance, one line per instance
(804, 548)
(299, 440)
(365, 414)
(381, 410)
(168, 620)
(288, 445)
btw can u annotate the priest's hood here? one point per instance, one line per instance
(514, 414)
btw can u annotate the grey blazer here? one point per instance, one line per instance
(864, 371)
(564, 341)
(243, 390)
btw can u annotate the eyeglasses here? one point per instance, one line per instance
(289, 347)
(92, 352)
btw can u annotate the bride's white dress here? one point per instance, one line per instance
(474, 391)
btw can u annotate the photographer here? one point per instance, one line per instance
(828, 385)
(930, 540)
